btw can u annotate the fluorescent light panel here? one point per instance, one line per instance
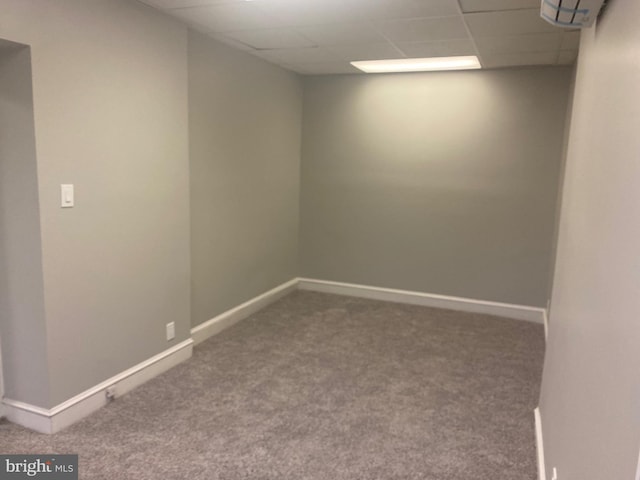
(419, 64)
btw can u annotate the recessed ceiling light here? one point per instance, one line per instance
(419, 64)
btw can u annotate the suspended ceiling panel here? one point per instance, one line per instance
(324, 36)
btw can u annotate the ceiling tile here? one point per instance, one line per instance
(323, 68)
(300, 55)
(202, 29)
(423, 29)
(398, 9)
(378, 51)
(170, 4)
(571, 41)
(567, 57)
(271, 38)
(494, 5)
(227, 17)
(319, 32)
(230, 41)
(438, 49)
(341, 34)
(512, 22)
(519, 59)
(301, 12)
(533, 42)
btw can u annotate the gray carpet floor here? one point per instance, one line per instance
(322, 387)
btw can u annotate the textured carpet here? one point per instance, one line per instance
(321, 387)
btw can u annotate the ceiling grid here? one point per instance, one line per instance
(324, 36)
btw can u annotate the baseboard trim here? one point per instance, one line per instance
(29, 416)
(546, 324)
(519, 312)
(542, 472)
(217, 324)
(65, 414)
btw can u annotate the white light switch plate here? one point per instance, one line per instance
(66, 196)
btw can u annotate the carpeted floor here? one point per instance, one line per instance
(325, 387)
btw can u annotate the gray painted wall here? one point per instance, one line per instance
(590, 400)
(440, 183)
(393, 197)
(22, 320)
(245, 121)
(110, 109)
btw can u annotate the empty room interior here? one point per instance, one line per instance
(320, 239)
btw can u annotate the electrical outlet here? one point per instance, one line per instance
(555, 474)
(171, 331)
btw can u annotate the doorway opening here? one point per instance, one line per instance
(22, 327)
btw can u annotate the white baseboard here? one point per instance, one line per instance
(542, 473)
(29, 416)
(55, 419)
(61, 416)
(519, 312)
(233, 316)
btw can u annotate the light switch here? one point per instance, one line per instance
(66, 192)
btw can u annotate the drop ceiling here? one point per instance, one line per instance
(323, 36)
